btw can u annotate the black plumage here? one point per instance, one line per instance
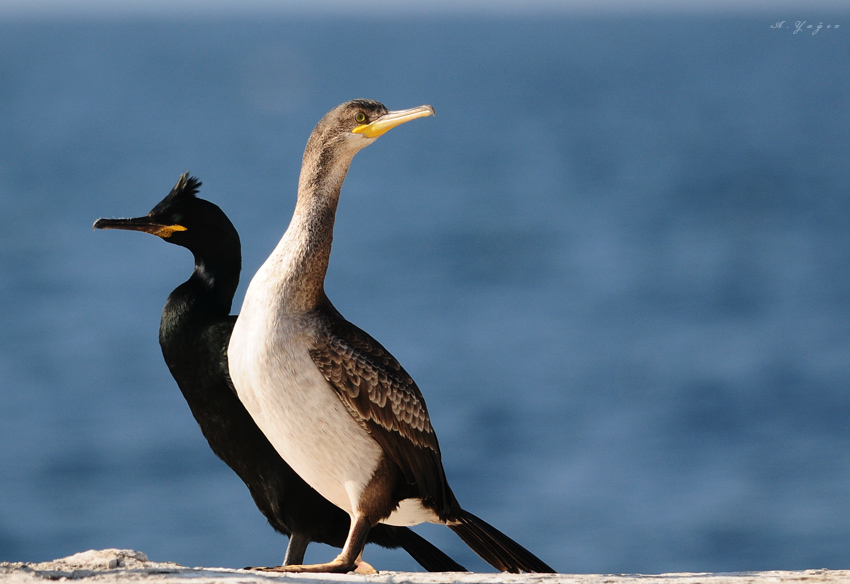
(194, 333)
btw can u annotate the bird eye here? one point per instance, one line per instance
(359, 117)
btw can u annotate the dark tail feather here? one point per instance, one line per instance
(496, 548)
(424, 552)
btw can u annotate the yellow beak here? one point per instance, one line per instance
(390, 120)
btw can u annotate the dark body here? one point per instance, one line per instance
(194, 333)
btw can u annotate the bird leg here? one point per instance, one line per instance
(351, 558)
(296, 549)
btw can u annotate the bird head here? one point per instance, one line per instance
(355, 124)
(183, 219)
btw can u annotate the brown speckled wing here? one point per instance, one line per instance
(385, 400)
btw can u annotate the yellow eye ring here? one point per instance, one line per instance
(359, 117)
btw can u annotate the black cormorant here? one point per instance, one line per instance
(194, 332)
(333, 402)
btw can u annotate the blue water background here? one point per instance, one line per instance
(617, 262)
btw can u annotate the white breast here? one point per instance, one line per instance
(293, 404)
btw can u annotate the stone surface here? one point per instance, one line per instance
(113, 566)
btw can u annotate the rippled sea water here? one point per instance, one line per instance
(616, 263)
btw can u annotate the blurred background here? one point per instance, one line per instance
(616, 263)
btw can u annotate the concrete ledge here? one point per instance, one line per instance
(127, 566)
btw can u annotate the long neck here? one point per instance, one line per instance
(193, 332)
(205, 296)
(303, 253)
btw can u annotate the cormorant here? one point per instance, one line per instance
(333, 402)
(194, 333)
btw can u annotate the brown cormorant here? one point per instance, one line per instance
(194, 333)
(333, 402)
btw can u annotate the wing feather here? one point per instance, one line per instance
(385, 400)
